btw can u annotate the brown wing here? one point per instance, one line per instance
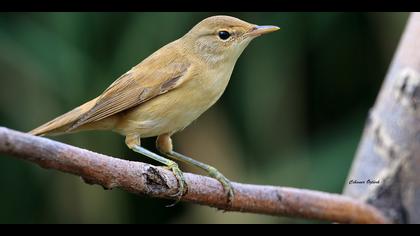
(156, 75)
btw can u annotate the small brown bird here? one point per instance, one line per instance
(166, 92)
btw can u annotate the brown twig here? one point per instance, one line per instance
(145, 179)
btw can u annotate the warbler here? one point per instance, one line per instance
(166, 92)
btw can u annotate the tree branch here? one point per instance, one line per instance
(389, 151)
(145, 179)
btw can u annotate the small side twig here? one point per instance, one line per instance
(145, 179)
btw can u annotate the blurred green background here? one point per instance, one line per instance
(292, 114)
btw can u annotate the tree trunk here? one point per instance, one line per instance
(389, 151)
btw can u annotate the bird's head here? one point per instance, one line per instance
(220, 38)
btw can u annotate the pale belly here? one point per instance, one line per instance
(171, 112)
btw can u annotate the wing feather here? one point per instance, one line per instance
(147, 80)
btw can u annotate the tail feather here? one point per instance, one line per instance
(62, 123)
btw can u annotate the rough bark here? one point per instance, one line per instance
(389, 151)
(144, 179)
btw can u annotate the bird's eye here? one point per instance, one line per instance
(223, 35)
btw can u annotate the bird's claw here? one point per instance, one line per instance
(227, 185)
(182, 185)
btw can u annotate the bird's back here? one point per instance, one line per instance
(157, 74)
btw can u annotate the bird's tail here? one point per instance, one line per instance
(62, 123)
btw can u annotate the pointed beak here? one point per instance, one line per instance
(262, 29)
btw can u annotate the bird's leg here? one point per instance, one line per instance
(164, 145)
(133, 142)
